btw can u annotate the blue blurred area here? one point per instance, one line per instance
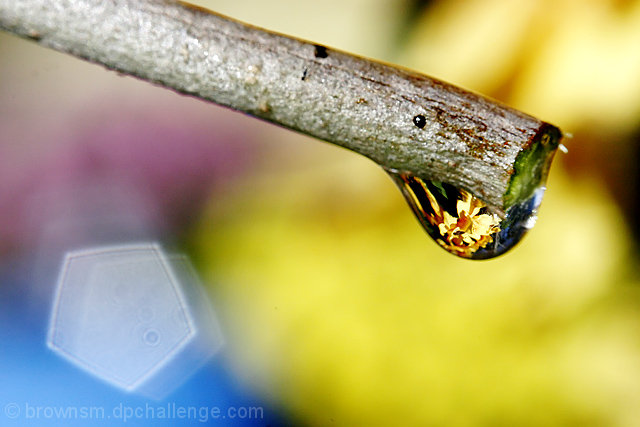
(35, 383)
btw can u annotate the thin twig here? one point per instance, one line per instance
(400, 119)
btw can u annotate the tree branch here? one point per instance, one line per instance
(400, 119)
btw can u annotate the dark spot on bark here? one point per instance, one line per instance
(304, 74)
(420, 121)
(320, 51)
(362, 101)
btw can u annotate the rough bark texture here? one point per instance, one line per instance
(365, 106)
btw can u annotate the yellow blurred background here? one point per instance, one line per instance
(338, 307)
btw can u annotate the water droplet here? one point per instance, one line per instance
(462, 223)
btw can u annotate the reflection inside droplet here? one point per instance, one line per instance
(461, 223)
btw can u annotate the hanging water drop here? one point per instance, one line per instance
(463, 224)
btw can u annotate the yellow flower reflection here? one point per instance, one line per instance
(467, 232)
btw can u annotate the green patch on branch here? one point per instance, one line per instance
(532, 166)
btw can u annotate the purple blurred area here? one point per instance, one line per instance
(146, 173)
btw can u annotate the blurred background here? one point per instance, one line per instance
(335, 305)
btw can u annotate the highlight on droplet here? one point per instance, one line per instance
(461, 223)
(133, 316)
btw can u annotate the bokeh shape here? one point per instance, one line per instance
(123, 313)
